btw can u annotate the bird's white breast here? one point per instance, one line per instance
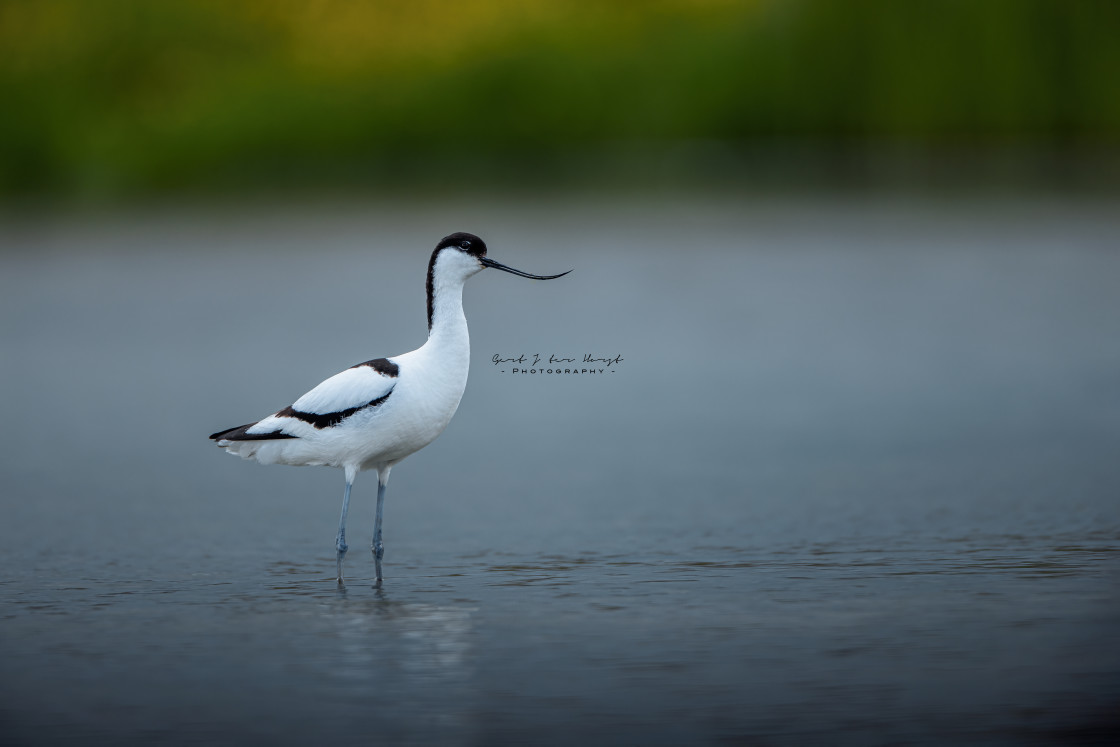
(428, 391)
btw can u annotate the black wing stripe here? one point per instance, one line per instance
(383, 366)
(327, 420)
(240, 433)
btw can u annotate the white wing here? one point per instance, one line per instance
(365, 385)
(353, 388)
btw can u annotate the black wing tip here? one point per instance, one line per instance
(228, 431)
(240, 434)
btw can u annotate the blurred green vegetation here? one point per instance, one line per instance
(130, 97)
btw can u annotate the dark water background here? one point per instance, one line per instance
(855, 480)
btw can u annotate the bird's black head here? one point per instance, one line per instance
(465, 242)
(457, 268)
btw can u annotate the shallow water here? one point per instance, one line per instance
(854, 480)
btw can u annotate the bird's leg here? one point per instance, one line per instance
(378, 546)
(340, 540)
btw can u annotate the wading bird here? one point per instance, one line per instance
(374, 414)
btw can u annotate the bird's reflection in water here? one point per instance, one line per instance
(383, 638)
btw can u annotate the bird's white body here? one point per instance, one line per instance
(422, 404)
(420, 399)
(374, 414)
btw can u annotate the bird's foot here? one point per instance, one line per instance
(342, 548)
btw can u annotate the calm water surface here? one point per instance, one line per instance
(855, 480)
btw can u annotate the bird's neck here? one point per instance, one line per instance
(448, 323)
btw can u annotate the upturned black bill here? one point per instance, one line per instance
(487, 262)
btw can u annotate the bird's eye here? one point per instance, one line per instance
(466, 244)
